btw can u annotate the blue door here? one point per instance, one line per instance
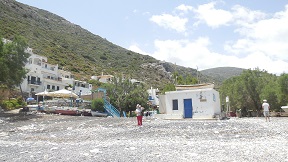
(188, 108)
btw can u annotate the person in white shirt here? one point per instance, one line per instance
(266, 108)
(138, 112)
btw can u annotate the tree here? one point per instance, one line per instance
(191, 80)
(270, 91)
(97, 105)
(125, 95)
(168, 87)
(253, 85)
(12, 61)
(181, 80)
(283, 89)
(138, 95)
(250, 88)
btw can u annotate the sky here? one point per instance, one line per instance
(200, 34)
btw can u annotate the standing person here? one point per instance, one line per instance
(266, 108)
(138, 112)
(38, 107)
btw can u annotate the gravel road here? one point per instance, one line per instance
(46, 137)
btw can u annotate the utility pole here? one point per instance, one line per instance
(197, 74)
(175, 69)
(227, 106)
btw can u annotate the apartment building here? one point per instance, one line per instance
(42, 75)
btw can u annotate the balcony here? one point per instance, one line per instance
(53, 78)
(33, 82)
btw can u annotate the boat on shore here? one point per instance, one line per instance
(285, 108)
(99, 114)
(32, 107)
(50, 109)
(67, 111)
(86, 113)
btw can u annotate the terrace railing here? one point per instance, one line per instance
(111, 109)
(34, 82)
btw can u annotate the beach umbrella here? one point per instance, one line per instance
(64, 93)
(45, 93)
(30, 99)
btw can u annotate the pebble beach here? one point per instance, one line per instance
(52, 137)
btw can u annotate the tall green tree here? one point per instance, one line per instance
(283, 89)
(184, 80)
(270, 90)
(138, 95)
(191, 80)
(168, 87)
(250, 88)
(12, 61)
(125, 95)
(253, 85)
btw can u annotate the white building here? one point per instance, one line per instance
(108, 79)
(201, 102)
(42, 75)
(103, 78)
(153, 96)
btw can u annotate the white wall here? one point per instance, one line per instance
(205, 102)
(162, 104)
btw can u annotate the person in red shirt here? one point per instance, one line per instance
(138, 112)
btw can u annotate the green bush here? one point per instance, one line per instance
(12, 104)
(103, 57)
(21, 102)
(97, 105)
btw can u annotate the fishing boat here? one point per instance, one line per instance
(32, 107)
(99, 114)
(50, 109)
(67, 111)
(285, 108)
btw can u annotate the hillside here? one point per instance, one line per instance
(78, 50)
(220, 74)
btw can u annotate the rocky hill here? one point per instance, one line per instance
(78, 50)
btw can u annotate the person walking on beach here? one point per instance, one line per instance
(266, 108)
(138, 112)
